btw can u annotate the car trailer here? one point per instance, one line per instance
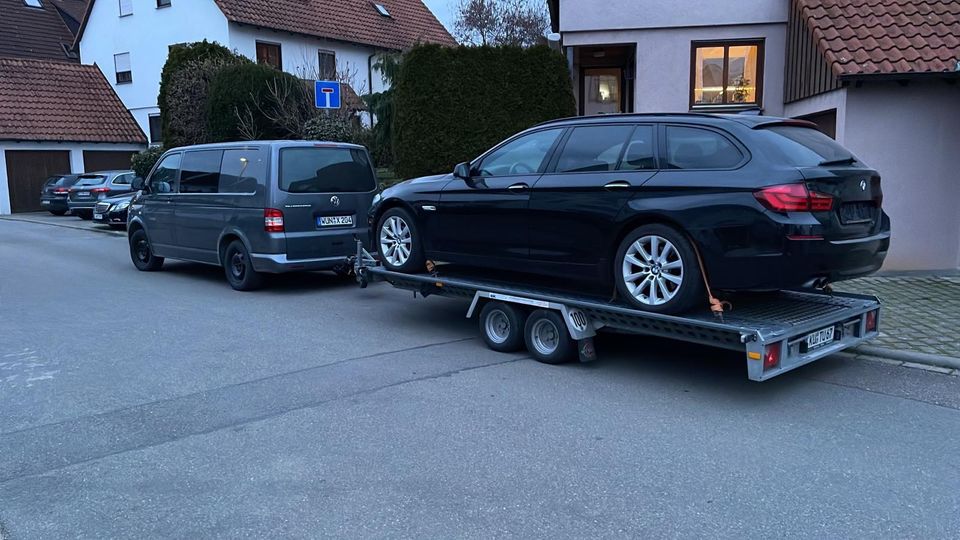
(777, 332)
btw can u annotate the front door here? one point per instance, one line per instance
(602, 91)
(483, 219)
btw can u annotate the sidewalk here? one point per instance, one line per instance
(920, 313)
(68, 221)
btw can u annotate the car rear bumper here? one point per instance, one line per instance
(82, 205)
(279, 263)
(54, 203)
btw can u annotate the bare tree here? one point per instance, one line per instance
(502, 22)
(477, 21)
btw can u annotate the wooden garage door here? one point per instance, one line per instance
(27, 170)
(106, 160)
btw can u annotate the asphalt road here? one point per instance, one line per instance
(136, 405)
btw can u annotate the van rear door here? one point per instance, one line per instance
(325, 191)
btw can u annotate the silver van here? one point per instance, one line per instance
(253, 207)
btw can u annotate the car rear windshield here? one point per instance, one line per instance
(62, 181)
(325, 170)
(90, 181)
(807, 147)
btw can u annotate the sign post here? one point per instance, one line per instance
(327, 94)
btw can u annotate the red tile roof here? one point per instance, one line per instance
(43, 100)
(28, 32)
(355, 21)
(869, 37)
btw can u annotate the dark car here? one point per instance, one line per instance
(94, 187)
(112, 211)
(253, 207)
(56, 189)
(636, 201)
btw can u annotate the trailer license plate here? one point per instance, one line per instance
(334, 221)
(819, 338)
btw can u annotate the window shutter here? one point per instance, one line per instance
(122, 62)
(126, 7)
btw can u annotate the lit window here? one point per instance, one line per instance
(381, 9)
(33, 3)
(727, 73)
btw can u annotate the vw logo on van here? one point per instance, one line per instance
(335, 200)
(863, 185)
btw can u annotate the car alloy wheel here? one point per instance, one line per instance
(652, 270)
(396, 240)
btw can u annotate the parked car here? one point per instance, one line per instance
(253, 208)
(53, 196)
(94, 187)
(112, 211)
(636, 201)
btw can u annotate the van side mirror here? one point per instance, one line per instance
(462, 171)
(137, 184)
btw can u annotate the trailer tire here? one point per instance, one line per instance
(502, 326)
(547, 338)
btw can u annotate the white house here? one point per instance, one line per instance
(883, 78)
(129, 39)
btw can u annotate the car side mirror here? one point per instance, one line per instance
(137, 184)
(462, 171)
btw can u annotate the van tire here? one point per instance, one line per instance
(142, 254)
(238, 268)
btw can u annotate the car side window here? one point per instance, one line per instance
(164, 177)
(200, 172)
(523, 155)
(242, 170)
(123, 179)
(696, 148)
(593, 149)
(641, 151)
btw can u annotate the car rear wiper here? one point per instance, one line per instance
(840, 161)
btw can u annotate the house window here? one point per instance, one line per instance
(156, 131)
(121, 64)
(33, 3)
(126, 7)
(163, 3)
(269, 54)
(728, 73)
(328, 65)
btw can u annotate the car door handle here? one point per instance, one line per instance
(618, 184)
(518, 187)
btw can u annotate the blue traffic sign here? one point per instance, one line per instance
(327, 94)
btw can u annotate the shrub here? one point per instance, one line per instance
(179, 57)
(252, 101)
(142, 162)
(335, 128)
(451, 104)
(187, 92)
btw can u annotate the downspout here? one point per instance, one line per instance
(370, 83)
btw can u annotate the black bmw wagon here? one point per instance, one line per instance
(648, 204)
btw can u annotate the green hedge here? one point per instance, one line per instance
(451, 104)
(240, 100)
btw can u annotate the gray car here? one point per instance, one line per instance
(253, 207)
(96, 186)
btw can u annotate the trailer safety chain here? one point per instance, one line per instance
(717, 306)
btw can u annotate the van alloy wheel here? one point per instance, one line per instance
(652, 270)
(396, 241)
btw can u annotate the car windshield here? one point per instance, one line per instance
(806, 146)
(91, 180)
(325, 170)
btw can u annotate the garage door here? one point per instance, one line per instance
(103, 160)
(27, 170)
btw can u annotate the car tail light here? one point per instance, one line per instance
(61, 190)
(272, 220)
(872, 320)
(794, 198)
(771, 356)
(100, 190)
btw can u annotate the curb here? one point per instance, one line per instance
(64, 225)
(909, 357)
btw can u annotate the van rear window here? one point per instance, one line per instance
(325, 170)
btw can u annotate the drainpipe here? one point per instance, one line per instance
(370, 83)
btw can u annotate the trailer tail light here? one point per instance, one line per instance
(872, 320)
(272, 220)
(771, 356)
(793, 198)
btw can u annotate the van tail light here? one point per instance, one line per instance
(771, 355)
(100, 190)
(793, 198)
(272, 220)
(872, 320)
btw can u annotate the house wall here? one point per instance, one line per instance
(76, 160)
(836, 99)
(146, 35)
(584, 15)
(911, 136)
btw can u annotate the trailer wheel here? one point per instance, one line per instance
(501, 325)
(547, 337)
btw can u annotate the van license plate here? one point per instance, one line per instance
(819, 338)
(334, 221)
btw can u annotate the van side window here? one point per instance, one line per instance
(200, 172)
(164, 177)
(242, 170)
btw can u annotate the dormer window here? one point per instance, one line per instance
(33, 3)
(381, 9)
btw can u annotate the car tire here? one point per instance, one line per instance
(238, 268)
(58, 212)
(399, 243)
(502, 326)
(656, 269)
(548, 339)
(141, 253)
